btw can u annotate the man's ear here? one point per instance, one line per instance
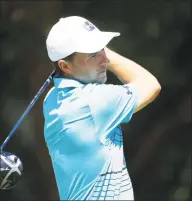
(64, 66)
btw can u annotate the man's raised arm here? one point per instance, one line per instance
(128, 71)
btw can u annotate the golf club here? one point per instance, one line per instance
(11, 166)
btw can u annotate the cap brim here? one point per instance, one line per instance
(95, 42)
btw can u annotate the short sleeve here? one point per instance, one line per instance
(112, 105)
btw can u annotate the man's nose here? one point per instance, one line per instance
(104, 58)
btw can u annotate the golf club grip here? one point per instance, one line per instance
(44, 86)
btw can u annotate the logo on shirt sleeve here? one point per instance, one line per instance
(129, 92)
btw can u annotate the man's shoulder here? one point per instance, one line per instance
(48, 94)
(96, 86)
(104, 89)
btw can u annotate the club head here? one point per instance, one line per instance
(11, 169)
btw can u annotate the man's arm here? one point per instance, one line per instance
(128, 71)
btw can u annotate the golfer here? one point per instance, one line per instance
(83, 114)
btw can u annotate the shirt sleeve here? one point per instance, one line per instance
(112, 105)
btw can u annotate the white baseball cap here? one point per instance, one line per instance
(75, 34)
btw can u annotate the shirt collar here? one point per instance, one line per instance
(66, 83)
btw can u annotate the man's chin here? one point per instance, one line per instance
(103, 80)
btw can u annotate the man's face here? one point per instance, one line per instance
(90, 68)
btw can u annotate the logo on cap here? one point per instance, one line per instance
(89, 26)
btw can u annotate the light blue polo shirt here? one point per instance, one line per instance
(83, 135)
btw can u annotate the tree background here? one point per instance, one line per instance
(157, 141)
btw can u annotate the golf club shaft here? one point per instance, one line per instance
(28, 109)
